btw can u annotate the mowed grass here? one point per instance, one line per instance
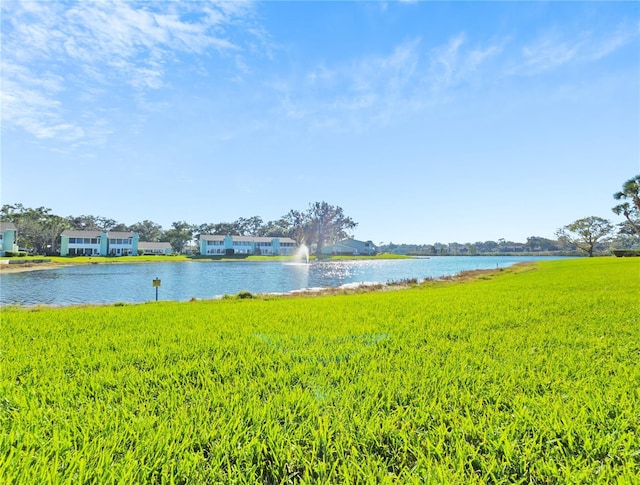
(527, 375)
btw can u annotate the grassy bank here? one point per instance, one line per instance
(527, 375)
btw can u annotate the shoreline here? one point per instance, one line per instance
(348, 289)
(27, 265)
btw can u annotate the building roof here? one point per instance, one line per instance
(75, 233)
(339, 248)
(355, 242)
(120, 234)
(8, 226)
(212, 237)
(219, 237)
(80, 233)
(153, 245)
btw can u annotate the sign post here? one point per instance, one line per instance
(156, 284)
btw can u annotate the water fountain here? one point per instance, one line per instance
(302, 254)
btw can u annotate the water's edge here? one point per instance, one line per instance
(132, 282)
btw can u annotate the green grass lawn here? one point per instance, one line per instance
(526, 375)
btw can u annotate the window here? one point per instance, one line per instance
(72, 240)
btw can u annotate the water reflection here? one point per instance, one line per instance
(109, 283)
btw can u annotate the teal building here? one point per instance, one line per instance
(98, 243)
(8, 237)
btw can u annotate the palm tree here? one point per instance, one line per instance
(631, 211)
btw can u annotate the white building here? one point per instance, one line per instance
(145, 247)
(226, 245)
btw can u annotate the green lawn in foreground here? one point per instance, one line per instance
(527, 375)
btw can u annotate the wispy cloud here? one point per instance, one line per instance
(351, 94)
(555, 48)
(379, 89)
(56, 54)
(414, 77)
(548, 53)
(457, 62)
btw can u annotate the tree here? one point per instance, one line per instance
(38, 229)
(179, 235)
(148, 230)
(630, 210)
(294, 223)
(586, 233)
(93, 223)
(274, 229)
(326, 223)
(248, 227)
(536, 243)
(223, 228)
(204, 229)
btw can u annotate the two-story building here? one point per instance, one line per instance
(211, 245)
(98, 243)
(8, 237)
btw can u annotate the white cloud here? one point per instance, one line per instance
(455, 63)
(354, 94)
(446, 57)
(621, 36)
(56, 54)
(379, 89)
(555, 49)
(548, 53)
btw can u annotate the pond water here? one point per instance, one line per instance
(129, 283)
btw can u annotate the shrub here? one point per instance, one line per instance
(15, 254)
(625, 253)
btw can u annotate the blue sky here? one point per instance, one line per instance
(425, 121)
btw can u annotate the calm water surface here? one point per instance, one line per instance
(110, 283)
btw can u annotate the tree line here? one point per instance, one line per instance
(589, 234)
(320, 224)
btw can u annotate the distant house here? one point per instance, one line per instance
(269, 246)
(145, 247)
(8, 237)
(351, 247)
(97, 243)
